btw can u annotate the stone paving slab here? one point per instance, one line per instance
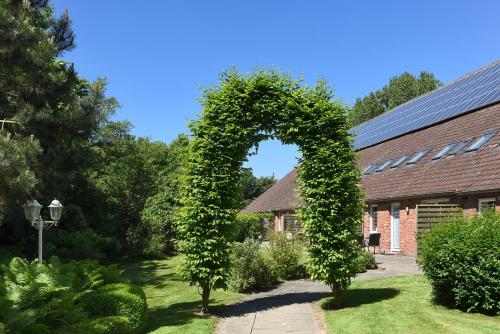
(288, 308)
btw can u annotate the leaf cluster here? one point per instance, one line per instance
(56, 298)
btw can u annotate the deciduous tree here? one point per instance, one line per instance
(399, 90)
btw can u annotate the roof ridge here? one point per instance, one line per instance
(485, 67)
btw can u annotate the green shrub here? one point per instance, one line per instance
(120, 299)
(80, 244)
(248, 226)
(47, 298)
(113, 325)
(461, 259)
(249, 269)
(105, 325)
(158, 232)
(366, 261)
(287, 256)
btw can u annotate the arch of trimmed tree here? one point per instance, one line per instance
(239, 113)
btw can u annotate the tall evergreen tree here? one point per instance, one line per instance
(52, 104)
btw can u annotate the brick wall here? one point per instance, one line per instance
(408, 222)
(407, 219)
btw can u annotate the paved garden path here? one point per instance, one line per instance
(289, 307)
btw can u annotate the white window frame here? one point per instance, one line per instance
(371, 218)
(485, 200)
(392, 227)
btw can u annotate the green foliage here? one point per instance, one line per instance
(239, 113)
(124, 173)
(113, 325)
(17, 159)
(249, 268)
(287, 256)
(105, 325)
(158, 216)
(249, 226)
(39, 298)
(399, 90)
(461, 259)
(366, 261)
(75, 240)
(123, 300)
(57, 113)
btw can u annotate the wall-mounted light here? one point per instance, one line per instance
(407, 210)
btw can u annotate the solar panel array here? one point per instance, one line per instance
(465, 94)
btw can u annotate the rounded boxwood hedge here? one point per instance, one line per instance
(122, 300)
(461, 259)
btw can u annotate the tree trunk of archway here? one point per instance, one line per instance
(337, 295)
(205, 297)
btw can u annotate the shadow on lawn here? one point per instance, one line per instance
(358, 297)
(177, 314)
(150, 273)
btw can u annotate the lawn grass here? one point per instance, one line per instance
(172, 304)
(401, 305)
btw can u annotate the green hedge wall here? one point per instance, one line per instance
(461, 259)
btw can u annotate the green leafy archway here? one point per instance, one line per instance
(238, 113)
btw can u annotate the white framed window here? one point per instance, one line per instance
(436, 201)
(373, 218)
(486, 204)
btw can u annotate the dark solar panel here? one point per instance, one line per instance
(470, 92)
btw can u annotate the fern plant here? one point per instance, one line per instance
(43, 298)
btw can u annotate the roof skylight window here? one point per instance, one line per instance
(480, 141)
(370, 168)
(418, 156)
(384, 166)
(443, 152)
(459, 147)
(399, 161)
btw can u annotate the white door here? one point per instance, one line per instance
(395, 227)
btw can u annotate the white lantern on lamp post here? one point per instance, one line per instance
(55, 211)
(32, 212)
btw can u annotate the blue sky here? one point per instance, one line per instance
(157, 54)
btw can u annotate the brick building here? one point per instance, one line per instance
(442, 149)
